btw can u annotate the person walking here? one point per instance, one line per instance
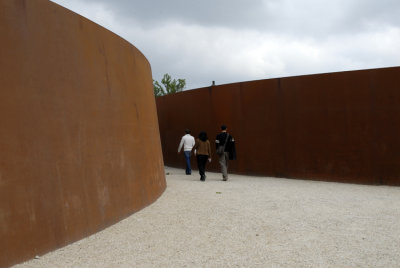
(202, 151)
(187, 142)
(225, 147)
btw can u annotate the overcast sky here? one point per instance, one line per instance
(240, 40)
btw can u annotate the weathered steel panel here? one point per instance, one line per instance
(336, 127)
(79, 139)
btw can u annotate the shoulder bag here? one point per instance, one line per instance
(221, 148)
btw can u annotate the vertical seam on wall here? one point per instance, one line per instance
(281, 172)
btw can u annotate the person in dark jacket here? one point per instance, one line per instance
(202, 151)
(225, 146)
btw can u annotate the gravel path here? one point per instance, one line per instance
(248, 222)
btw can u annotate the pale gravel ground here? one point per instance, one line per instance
(248, 222)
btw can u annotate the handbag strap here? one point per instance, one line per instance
(226, 140)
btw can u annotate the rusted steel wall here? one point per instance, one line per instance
(79, 139)
(340, 127)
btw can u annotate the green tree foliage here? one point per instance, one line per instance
(168, 86)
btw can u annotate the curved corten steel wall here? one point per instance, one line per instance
(79, 139)
(340, 127)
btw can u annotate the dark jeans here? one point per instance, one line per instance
(187, 158)
(201, 163)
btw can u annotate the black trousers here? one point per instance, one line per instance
(201, 163)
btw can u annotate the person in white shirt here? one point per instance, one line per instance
(187, 142)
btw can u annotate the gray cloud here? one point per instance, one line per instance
(239, 40)
(152, 13)
(284, 16)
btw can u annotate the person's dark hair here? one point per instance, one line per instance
(203, 136)
(223, 127)
(187, 131)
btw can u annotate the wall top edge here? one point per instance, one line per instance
(285, 77)
(97, 25)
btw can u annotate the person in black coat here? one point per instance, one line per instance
(225, 147)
